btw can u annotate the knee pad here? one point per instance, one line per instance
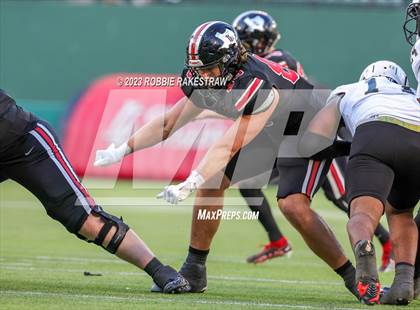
(110, 221)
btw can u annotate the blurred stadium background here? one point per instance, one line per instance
(52, 51)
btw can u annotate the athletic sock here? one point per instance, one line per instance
(348, 273)
(197, 256)
(253, 197)
(282, 242)
(153, 266)
(404, 269)
(382, 234)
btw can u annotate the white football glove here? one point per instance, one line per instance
(175, 193)
(111, 155)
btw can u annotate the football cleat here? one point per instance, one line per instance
(196, 275)
(177, 286)
(396, 295)
(369, 291)
(368, 286)
(169, 282)
(271, 250)
(401, 291)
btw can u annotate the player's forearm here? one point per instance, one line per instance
(163, 127)
(215, 160)
(149, 135)
(242, 132)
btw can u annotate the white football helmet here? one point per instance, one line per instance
(385, 68)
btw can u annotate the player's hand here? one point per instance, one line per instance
(111, 155)
(175, 193)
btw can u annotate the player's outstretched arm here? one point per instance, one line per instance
(151, 133)
(243, 131)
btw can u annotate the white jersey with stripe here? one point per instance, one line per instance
(369, 100)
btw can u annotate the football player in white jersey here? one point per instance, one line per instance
(383, 172)
(412, 35)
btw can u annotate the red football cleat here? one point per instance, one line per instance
(388, 264)
(271, 250)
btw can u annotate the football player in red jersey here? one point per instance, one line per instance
(258, 98)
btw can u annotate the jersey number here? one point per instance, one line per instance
(371, 87)
(280, 70)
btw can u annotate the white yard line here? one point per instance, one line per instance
(12, 266)
(164, 300)
(215, 258)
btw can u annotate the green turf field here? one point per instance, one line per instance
(41, 265)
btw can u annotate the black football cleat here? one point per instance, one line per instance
(196, 276)
(168, 281)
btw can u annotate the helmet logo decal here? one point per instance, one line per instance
(196, 39)
(255, 24)
(228, 38)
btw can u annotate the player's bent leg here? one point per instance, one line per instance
(318, 236)
(300, 180)
(47, 173)
(369, 181)
(278, 245)
(315, 232)
(115, 236)
(404, 234)
(404, 238)
(365, 213)
(208, 200)
(334, 189)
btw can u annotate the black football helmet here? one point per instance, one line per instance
(214, 43)
(257, 31)
(412, 22)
